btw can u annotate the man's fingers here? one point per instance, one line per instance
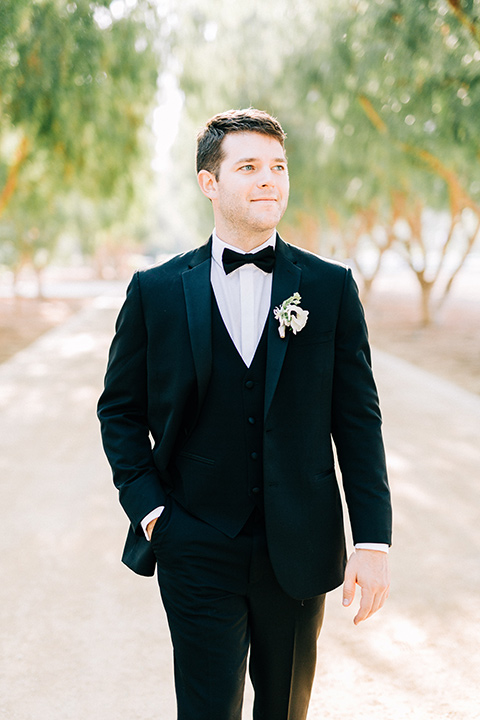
(369, 570)
(150, 527)
(366, 607)
(370, 602)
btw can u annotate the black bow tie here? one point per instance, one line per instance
(265, 259)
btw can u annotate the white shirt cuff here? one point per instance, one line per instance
(151, 516)
(381, 547)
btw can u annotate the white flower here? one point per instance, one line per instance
(289, 315)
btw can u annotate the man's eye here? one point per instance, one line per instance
(280, 167)
(247, 167)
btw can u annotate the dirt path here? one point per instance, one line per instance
(419, 657)
(82, 637)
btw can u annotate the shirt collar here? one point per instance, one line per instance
(218, 247)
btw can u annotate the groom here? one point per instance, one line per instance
(233, 368)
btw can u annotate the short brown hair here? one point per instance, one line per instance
(210, 138)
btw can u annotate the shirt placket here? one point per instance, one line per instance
(247, 304)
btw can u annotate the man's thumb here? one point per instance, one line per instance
(348, 589)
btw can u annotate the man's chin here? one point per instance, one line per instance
(268, 221)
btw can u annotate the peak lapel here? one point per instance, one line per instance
(286, 281)
(198, 300)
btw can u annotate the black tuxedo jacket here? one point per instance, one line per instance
(319, 386)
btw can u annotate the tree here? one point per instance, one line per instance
(380, 99)
(78, 81)
(397, 97)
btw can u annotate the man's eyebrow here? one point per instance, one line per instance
(253, 159)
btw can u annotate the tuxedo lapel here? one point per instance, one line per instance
(198, 300)
(286, 281)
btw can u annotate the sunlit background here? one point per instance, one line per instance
(100, 103)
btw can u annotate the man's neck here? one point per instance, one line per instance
(269, 240)
(246, 243)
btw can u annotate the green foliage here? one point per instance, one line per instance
(380, 100)
(78, 80)
(367, 89)
(76, 90)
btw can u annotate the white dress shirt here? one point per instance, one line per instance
(243, 298)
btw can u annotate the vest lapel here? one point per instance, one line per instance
(286, 281)
(198, 300)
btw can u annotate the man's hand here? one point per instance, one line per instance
(369, 569)
(150, 527)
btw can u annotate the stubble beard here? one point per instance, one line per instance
(246, 225)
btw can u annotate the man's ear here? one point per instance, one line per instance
(208, 183)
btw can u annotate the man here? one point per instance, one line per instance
(225, 385)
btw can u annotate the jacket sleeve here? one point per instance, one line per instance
(122, 411)
(356, 425)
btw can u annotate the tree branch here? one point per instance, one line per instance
(463, 18)
(12, 177)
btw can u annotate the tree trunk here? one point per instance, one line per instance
(367, 288)
(39, 277)
(426, 301)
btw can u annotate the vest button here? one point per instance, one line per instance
(251, 420)
(254, 456)
(255, 490)
(249, 384)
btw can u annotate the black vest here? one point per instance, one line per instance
(219, 469)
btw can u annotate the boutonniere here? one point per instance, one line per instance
(290, 315)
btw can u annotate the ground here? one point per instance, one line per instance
(23, 320)
(84, 638)
(449, 348)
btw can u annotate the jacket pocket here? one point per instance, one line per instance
(313, 338)
(162, 523)
(196, 458)
(324, 475)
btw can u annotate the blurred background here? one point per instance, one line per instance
(100, 103)
(99, 107)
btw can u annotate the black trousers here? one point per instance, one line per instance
(222, 600)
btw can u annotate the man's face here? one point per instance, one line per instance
(251, 192)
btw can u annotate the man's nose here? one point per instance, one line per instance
(266, 178)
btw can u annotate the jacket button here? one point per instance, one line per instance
(249, 384)
(251, 420)
(254, 456)
(255, 490)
